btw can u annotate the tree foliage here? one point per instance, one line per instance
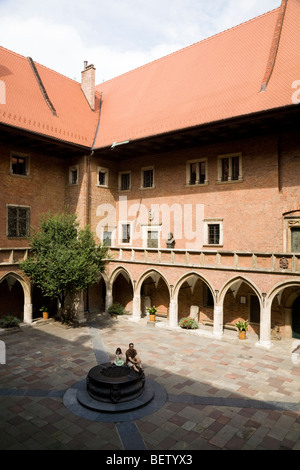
(63, 258)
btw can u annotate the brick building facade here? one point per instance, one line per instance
(188, 168)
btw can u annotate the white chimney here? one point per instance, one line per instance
(88, 83)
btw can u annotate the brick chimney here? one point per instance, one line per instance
(88, 84)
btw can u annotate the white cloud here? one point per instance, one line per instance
(115, 35)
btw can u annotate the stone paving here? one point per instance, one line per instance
(219, 394)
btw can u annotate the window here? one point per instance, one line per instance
(196, 172)
(147, 178)
(151, 236)
(19, 164)
(213, 232)
(18, 221)
(230, 168)
(292, 233)
(102, 177)
(125, 232)
(107, 237)
(125, 181)
(73, 175)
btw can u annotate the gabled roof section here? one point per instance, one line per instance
(242, 71)
(44, 102)
(213, 80)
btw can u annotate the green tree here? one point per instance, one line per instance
(64, 259)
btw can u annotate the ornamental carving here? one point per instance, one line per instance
(295, 222)
(284, 263)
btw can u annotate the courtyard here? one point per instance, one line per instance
(212, 394)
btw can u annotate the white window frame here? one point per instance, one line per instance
(103, 170)
(27, 164)
(208, 222)
(120, 180)
(121, 223)
(188, 172)
(147, 168)
(230, 156)
(71, 169)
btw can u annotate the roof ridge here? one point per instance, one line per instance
(190, 46)
(37, 63)
(275, 45)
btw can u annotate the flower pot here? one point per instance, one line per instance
(242, 334)
(152, 317)
(45, 315)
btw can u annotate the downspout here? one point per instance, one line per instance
(88, 177)
(88, 157)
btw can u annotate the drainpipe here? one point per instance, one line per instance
(88, 183)
(88, 158)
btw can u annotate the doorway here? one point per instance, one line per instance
(296, 318)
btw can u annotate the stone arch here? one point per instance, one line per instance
(95, 296)
(283, 311)
(278, 288)
(188, 275)
(195, 297)
(241, 299)
(122, 288)
(235, 281)
(115, 273)
(151, 273)
(156, 293)
(11, 278)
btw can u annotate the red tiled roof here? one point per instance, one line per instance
(216, 79)
(27, 109)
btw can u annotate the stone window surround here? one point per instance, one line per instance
(289, 223)
(101, 169)
(219, 166)
(208, 222)
(188, 164)
(71, 169)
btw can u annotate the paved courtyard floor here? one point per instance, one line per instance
(212, 394)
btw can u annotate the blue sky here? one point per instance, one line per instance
(115, 35)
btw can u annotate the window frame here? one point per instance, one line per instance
(113, 235)
(151, 228)
(120, 175)
(28, 218)
(220, 164)
(121, 239)
(291, 222)
(207, 224)
(26, 158)
(143, 170)
(72, 169)
(196, 162)
(103, 170)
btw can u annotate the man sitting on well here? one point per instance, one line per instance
(132, 359)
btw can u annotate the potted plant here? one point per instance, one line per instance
(152, 312)
(242, 326)
(45, 312)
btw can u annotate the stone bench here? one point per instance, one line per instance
(227, 326)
